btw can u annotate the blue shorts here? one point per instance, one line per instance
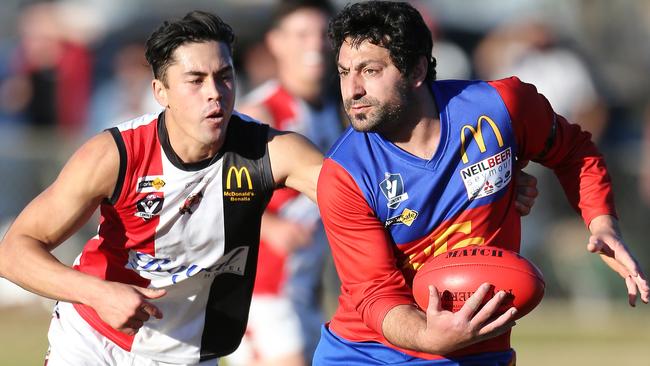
(334, 350)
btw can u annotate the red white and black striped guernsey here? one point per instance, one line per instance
(192, 229)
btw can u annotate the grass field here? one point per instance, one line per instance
(553, 334)
(23, 335)
(556, 334)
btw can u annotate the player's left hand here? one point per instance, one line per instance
(606, 240)
(526, 192)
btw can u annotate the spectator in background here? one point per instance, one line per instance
(531, 50)
(285, 315)
(452, 61)
(258, 65)
(125, 95)
(51, 72)
(45, 86)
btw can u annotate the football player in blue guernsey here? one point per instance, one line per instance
(429, 166)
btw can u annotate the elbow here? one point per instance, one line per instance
(3, 258)
(8, 257)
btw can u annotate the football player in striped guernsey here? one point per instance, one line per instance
(168, 277)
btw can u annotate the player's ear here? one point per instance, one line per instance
(419, 72)
(274, 42)
(160, 92)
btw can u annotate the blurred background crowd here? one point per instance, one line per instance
(69, 69)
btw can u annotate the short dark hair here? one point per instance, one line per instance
(286, 7)
(396, 26)
(196, 26)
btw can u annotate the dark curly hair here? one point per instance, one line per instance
(397, 26)
(195, 26)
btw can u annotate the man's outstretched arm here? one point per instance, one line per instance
(25, 259)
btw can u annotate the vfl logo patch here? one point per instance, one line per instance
(190, 202)
(150, 184)
(488, 176)
(406, 217)
(393, 189)
(149, 206)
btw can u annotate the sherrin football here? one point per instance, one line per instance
(457, 274)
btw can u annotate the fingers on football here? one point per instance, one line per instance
(500, 325)
(434, 300)
(489, 310)
(474, 302)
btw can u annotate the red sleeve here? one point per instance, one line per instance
(549, 139)
(363, 252)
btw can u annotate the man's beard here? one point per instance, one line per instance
(384, 117)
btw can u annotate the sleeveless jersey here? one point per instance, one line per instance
(386, 211)
(192, 229)
(322, 127)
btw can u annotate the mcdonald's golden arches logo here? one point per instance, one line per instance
(477, 134)
(239, 174)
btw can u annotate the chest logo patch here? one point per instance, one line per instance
(190, 203)
(488, 176)
(150, 184)
(393, 189)
(149, 206)
(406, 217)
(242, 189)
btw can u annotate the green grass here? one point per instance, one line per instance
(555, 333)
(23, 335)
(559, 334)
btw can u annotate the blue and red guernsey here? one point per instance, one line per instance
(386, 211)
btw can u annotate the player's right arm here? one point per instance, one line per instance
(25, 259)
(282, 235)
(375, 287)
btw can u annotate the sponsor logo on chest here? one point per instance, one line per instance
(239, 185)
(489, 175)
(152, 267)
(406, 217)
(150, 184)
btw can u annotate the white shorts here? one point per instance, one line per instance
(73, 342)
(273, 332)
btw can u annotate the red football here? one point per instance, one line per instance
(457, 274)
